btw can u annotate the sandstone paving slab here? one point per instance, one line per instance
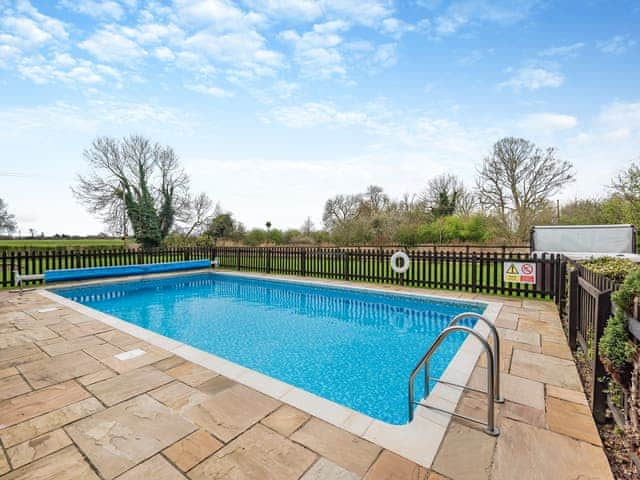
(8, 372)
(32, 404)
(68, 346)
(156, 468)
(556, 349)
(568, 395)
(530, 338)
(49, 371)
(178, 396)
(191, 450)
(259, 453)
(13, 386)
(465, 453)
(544, 368)
(514, 388)
(572, 419)
(12, 356)
(118, 338)
(152, 355)
(102, 351)
(122, 387)
(66, 464)
(541, 327)
(507, 320)
(286, 420)
(4, 463)
(23, 337)
(324, 469)
(192, 374)
(169, 363)
(232, 411)
(390, 466)
(38, 447)
(216, 385)
(71, 331)
(350, 452)
(120, 437)
(49, 421)
(543, 454)
(96, 377)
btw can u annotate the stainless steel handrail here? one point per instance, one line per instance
(496, 348)
(490, 428)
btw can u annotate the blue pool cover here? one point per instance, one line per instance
(352, 346)
(122, 270)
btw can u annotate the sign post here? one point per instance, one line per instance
(520, 272)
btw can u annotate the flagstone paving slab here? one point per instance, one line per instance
(67, 464)
(4, 463)
(540, 454)
(347, 450)
(465, 453)
(49, 371)
(29, 405)
(68, 346)
(572, 419)
(120, 437)
(178, 396)
(49, 421)
(191, 374)
(127, 385)
(232, 411)
(324, 469)
(152, 355)
(156, 468)
(216, 385)
(390, 466)
(547, 369)
(13, 386)
(96, 377)
(191, 450)
(261, 454)
(286, 420)
(38, 447)
(565, 394)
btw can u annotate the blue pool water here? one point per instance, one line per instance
(353, 347)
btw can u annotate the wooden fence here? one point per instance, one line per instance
(589, 310)
(459, 269)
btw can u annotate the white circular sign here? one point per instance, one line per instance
(400, 262)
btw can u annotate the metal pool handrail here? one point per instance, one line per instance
(496, 348)
(490, 427)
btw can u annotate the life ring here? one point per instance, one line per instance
(405, 262)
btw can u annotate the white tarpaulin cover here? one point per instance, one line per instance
(583, 238)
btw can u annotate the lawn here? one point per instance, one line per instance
(26, 243)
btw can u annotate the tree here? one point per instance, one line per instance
(222, 225)
(516, 183)
(340, 209)
(7, 220)
(374, 199)
(198, 214)
(307, 227)
(134, 180)
(268, 224)
(443, 194)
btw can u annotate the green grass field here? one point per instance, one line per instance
(61, 243)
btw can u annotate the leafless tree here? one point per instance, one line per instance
(307, 226)
(341, 208)
(516, 182)
(375, 198)
(199, 214)
(7, 220)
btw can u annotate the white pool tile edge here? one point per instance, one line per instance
(418, 441)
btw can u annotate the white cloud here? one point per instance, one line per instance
(620, 120)
(616, 45)
(547, 123)
(96, 8)
(110, 45)
(219, 15)
(210, 90)
(533, 78)
(563, 51)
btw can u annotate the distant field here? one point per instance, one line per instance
(33, 243)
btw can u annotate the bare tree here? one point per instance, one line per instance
(627, 183)
(7, 220)
(516, 182)
(134, 181)
(443, 194)
(375, 198)
(307, 227)
(199, 214)
(341, 208)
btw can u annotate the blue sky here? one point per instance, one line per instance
(276, 105)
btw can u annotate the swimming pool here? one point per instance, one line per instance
(353, 347)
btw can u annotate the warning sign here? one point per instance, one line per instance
(520, 272)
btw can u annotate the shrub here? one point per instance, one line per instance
(630, 288)
(616, 269)
(615, 345)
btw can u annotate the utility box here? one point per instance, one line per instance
(585, 241)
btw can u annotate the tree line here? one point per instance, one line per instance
(139, 185)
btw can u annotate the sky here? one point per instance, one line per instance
(273, 106)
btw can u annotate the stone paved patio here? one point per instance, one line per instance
(69, 409)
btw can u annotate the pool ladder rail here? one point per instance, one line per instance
(493, 372)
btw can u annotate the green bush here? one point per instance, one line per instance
(615, 345)
(630, 288)
(616, 269)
